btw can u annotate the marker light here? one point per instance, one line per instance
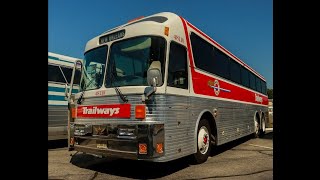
(159, 148)
(142, 148)
(166, 31)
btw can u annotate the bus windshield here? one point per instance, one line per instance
(93, 70)
(130, 59)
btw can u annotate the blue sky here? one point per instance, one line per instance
(244, 27)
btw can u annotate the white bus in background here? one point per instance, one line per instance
(59, 74)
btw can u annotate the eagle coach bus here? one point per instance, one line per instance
(158, 88)
(59, 73)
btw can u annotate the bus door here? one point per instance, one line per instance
(177, 91)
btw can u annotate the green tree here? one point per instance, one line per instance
(270, 93)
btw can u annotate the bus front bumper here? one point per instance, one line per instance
(140, 141)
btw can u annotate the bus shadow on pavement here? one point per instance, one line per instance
(225, 147)
(268, 136)
(143, 169)
(54, 144)
(129, 168)
(222, 148)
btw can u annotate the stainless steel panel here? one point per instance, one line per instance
(179, 115)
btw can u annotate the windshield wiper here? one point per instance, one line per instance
(123, 97)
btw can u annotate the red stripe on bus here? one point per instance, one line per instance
(201, 83)
(188, 41)
(210, 86)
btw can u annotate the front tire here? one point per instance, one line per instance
(203, 142)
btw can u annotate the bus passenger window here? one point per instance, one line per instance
(177, 70)
(55, 74)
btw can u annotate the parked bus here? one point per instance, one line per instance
(59, 74)
(164, 90)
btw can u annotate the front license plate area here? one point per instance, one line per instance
(101, 144)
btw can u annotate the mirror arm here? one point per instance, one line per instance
(147, 95)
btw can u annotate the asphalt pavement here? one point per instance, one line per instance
(245, 158)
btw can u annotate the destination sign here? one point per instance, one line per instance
(112, 37)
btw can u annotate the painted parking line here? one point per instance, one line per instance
(260, 146)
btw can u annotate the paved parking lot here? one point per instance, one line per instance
(246, 158)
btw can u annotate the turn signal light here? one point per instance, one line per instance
(140, 112)
(72, 141)
(73, 112)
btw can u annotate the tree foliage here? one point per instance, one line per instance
(270, 93)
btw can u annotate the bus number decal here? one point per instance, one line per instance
(100, 93)
(178, 38)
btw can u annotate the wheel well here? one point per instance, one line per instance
(257, 116)
(212, 123)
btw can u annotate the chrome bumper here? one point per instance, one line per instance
(118, 140)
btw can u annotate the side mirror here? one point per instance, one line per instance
(154, 75)
(154, 78)
(78, 65)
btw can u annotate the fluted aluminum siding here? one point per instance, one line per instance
(179, 115)
(57, 116)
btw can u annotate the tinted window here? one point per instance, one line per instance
(244, 77)
(68, 74)
(264, 87)
(252, 81)
(258, 84)
(55, 75)
(235, 71)
(202, 53)
(221, 64)
(208, 58)
(177, 71)
(211, 59)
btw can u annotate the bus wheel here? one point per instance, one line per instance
(203, 142)
(256, 128)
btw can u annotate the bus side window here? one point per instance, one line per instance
(55, 75)
(177, 70)
(68, 73)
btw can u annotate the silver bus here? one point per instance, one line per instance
(158, 88)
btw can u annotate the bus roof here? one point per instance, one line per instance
(60, 59)
(168, 18)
